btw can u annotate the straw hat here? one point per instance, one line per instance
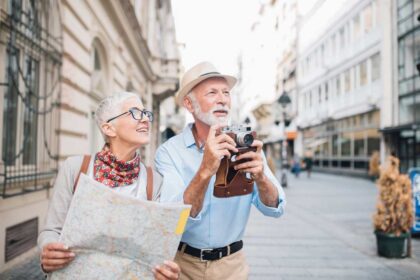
(196, 75)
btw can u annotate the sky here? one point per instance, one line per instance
(213, 30)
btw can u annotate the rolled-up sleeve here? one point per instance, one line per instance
(264, 209)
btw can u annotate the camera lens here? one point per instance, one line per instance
(245, 139)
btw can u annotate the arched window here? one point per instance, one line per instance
(99, 74)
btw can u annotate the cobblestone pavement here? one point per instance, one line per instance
(28, 269)
(326, 233)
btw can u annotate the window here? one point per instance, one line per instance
(32, 18)
(417, 107)
(319, 95)
(30, 121)
(99, 75)
(310, 98)
(326, 91)
(345, 144)
(356, 27)
(407, 109)
(326, 147)
(335, 145)
(347, 81)
(359, 144)
(376, 67)
(333, 44)
(373, 141)
(367, 19)
(10, 113)
(338, 85)
(363, 73)
(342, 39)
(15, 9)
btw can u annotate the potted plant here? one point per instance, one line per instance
(394, 213)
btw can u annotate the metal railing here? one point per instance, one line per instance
(31, 95)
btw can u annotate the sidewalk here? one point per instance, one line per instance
(326, 233)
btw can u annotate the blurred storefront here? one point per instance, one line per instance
(403, 138)
(344, 145)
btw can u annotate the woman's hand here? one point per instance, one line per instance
(168, 271)
(55, 256)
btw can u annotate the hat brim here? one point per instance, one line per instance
(179, 97)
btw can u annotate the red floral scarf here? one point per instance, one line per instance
(112, 172)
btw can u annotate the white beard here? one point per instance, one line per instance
(209, 118)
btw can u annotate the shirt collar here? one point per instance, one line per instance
(188, 135)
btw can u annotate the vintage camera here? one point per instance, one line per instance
(243, 135)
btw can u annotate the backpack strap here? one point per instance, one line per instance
(149, 186)
(83, 169)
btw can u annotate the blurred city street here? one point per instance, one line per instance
(326, 233)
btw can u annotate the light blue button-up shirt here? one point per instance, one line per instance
(221, 221)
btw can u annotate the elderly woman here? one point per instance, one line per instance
(124, 124)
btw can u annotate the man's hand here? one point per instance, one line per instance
(55, 256)
(254, 164)
(168, 271)
(216, 148)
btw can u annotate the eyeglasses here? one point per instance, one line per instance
(136, 113)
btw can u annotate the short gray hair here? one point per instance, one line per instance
(110, 106)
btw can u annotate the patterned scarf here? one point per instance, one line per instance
(112, 172)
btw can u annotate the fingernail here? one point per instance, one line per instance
(66, 247)
(166, 262)
(72, 254)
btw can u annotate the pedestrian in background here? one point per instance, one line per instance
(125, 125)
(308, 163)
(296, 165)
(211, 245)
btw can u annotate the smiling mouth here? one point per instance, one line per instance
(143, 129)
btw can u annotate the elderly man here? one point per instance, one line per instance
(211, 244)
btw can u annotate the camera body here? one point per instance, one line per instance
(229, 181)
(241, 134)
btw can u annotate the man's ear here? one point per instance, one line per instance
(108, 129)
(188, 104)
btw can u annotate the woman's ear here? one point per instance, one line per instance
(108, 129)
(188, 104)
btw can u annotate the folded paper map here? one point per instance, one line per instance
(116, 236)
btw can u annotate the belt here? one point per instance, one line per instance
(211, 254)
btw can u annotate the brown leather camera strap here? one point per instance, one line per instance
(230, 182)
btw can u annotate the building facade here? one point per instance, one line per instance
(402, 133)
(340, 83)
(60, 58)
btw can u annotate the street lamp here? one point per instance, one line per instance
(284, 101)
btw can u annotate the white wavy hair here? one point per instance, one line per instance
(110, 107)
